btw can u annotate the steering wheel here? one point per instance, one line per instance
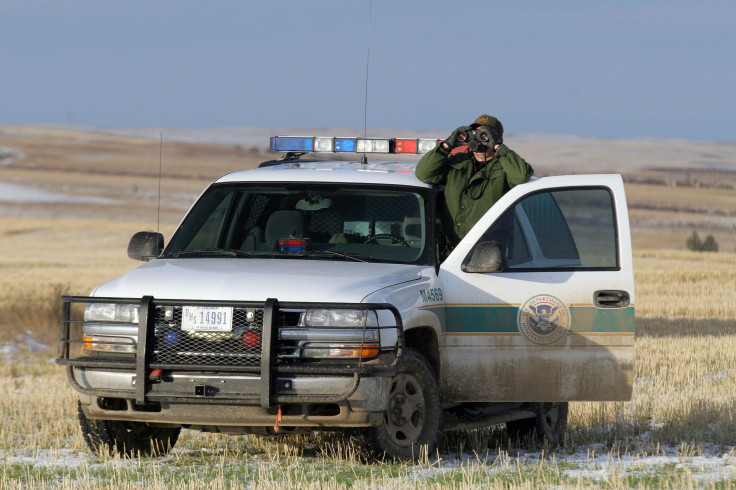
(389, 236)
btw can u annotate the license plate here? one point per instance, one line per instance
(207, 318)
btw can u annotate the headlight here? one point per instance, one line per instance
(343, 336)
(111, 312)
(111, 327)
(341, 318)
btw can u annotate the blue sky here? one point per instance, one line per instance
(623, 69)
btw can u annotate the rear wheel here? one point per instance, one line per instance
(129, 438)
(411, 421)
(547, 427)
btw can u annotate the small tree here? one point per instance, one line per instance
(710, 245)
(695, 244)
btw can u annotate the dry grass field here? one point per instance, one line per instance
(678, 431)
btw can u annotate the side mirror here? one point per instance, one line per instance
(485, 257)
(145, 245)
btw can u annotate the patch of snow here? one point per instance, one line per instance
(586, 464)
(12, 350)
(21, 193)
(595, 463)
(48, 458)
(8, 155)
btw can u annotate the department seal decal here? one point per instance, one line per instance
(543, 319)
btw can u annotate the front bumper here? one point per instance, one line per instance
(349, 405)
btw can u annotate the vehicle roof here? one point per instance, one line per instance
(389, 173)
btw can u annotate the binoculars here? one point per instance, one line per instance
(478, 139)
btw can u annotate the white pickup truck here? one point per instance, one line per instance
(314, 295)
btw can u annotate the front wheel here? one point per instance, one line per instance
(547, 427)
(412, 419)
(128, 438)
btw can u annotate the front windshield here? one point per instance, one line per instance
(306, 221)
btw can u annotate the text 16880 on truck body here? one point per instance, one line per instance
(315, 295)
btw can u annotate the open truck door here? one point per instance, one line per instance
(540, 297)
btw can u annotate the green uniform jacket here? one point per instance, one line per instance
(469, 194)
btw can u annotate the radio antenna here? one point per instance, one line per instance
(160, 159)
(367, 66)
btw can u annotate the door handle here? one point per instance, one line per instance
(610, 298)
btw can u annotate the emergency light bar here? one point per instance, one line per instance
(319, 144)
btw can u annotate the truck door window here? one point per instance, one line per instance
(550, 227)
(558, 229)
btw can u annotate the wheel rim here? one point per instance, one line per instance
(406, 416)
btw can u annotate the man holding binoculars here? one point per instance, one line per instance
(474, 179)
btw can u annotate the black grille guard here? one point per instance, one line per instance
(268, 366)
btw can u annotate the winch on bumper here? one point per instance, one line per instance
(317, 363)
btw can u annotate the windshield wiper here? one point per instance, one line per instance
(211, 252)
(344, 255)
(223, 252)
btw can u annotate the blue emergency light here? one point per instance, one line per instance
(322, 144)
(291, 143)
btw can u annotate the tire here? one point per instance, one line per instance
(547, 427)
(411, 421)
(128, 438)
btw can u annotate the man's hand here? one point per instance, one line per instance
(456, 138)
(488, 137)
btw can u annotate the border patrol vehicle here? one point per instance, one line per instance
(314, 295)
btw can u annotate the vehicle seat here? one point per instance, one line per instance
(283, 224)
(253, 240)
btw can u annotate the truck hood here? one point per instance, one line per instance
(237, 279)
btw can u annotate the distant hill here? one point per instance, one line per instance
(548, 153)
